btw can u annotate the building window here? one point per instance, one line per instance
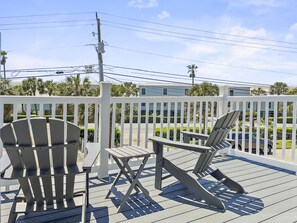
(164, 91)
(143, 91)
(270, 105)
(231, 92)
(186, 91)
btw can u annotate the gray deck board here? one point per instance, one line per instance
(272, 197)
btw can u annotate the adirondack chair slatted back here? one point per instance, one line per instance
(216, 140)
(27, 144)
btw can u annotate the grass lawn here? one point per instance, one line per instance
(288, 144)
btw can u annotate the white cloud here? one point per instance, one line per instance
(163, 15)
(289, 37)
(272, 3)
(269, 3)
(242, 31)
(143, 3)
(293, 28)
(235, 56)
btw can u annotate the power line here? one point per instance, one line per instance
(129, 25)
(200, 36)
(46, 27)
(193, 29)
(182, 76)
(42, 15)
(151, 73)
(46, 22)
(200, 61)
(166, 81)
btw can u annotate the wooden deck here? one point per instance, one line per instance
(271, 197)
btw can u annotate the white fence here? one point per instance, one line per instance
(118, 121)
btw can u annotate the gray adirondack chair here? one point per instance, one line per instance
(45, 164)
(178, 162)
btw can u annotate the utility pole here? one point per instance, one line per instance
(1, 58)
(100, 50)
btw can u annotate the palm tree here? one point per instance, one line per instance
(40, 86)
(130, 89)
(3, 89)
(3, 62)
(279, 88)
(258, 91)
(29, 86)
(191, 69)
(49, 87)
(293, 91)
(204, 89)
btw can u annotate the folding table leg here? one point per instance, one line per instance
(133, 184)
(138, 184)
(113, 184)
(123, 171)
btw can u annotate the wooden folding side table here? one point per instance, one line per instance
(122, 156)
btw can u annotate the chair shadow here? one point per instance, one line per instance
(136, 206)
(240, 204)
(71, 215)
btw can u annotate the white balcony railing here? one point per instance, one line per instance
(117, 121)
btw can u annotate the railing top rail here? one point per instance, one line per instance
(165, 99)
(270, 98)
(49, 99)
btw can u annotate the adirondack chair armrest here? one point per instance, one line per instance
(180, 145)
(230, 140)
(195, 135)
(93, 150)
(4, 163)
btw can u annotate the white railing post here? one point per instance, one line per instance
(223, 104)
(104, 119)
(222, 109)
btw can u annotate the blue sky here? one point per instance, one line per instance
(155, 35)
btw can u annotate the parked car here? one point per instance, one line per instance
(254, 140)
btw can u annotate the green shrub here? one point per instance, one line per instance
(178, 130)
(280, 120)
(91, 135)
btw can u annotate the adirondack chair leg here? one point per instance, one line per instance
(231, 184)
(158, 148)
(83, 212)
(13, 215)
(193, 185)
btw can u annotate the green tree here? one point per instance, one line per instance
(40, 86)
(191, 69)
(74, 86)
(204, 89)
(293, 91)
(127, 89)
(29, 86)
(3, 62)
(279, 88)
(258, 91)
(3, 88)
(49, 87)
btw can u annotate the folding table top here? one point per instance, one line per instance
(129, 152)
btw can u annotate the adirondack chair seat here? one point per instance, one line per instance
(196, 160)
(43, 158)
